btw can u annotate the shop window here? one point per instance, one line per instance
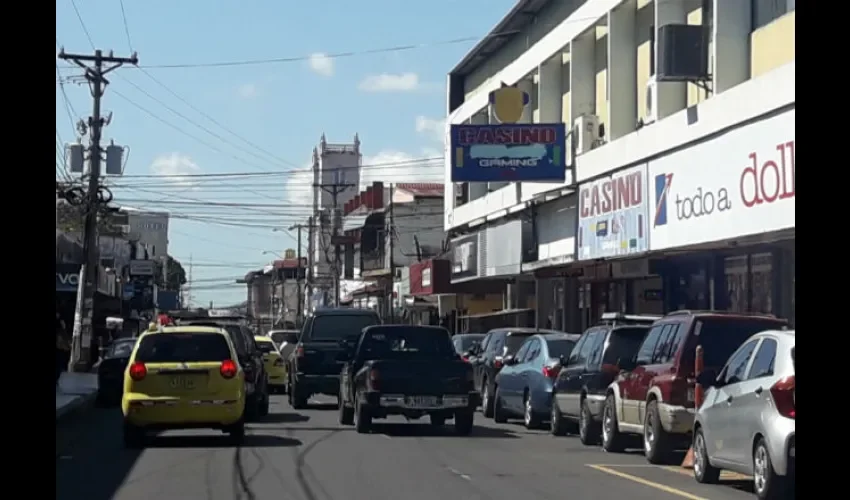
(558, 305)
(736, 283)
(761, 269)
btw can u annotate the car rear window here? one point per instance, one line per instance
(558, 348)
(720, 337)
(266, 346)
(514, 341)
(121, 350)
(340, 326)
(624, 343)
(233, 331)
(407, 342)
(182, 348)
(466, 342)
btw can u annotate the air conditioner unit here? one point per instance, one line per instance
(651, 100)
(586, 131)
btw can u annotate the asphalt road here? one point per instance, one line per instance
(306, 455)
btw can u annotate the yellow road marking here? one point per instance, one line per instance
(647, 482)
(725, 475)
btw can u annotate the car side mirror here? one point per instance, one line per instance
(626, 364)
(708, 378)
(509, 360)
(562, 360)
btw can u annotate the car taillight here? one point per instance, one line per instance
(374, 379)
(783, 392)
(299, 352)
(278, 362)
(497, 364)
(228, 368)
(138, 371)
(551, 371)
(465, 359)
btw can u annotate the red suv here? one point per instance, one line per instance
(654, 395)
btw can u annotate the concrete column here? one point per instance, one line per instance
(622, 71)
(478, 189)
(549, 90)
(582, 77)
(731, 40)
(672, 96)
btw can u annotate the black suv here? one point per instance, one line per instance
(250, 358)
(578, 397)
(315, 364)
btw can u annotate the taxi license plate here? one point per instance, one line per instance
(422, 401)
(183, 383)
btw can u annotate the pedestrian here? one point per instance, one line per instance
(63, 348)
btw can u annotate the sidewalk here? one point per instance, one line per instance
(75, 390)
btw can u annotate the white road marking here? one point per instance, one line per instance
(459, 473)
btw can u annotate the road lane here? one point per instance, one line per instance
(306, 455)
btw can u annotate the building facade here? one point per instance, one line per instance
(679, 189)
(150, 229)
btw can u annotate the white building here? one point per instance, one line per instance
(713, 158)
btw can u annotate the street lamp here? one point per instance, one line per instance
(269, 252)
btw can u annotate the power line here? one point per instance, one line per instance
(126, 25)
(82, 24)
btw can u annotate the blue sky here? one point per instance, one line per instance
(394, 100)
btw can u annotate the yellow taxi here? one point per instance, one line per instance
(183, 377)
(275, 367)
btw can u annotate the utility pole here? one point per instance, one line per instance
(95, 73)
(335, 189)
(300, 310)
(391, 236)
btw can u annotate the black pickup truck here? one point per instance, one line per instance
(315, 363)
(406, 370)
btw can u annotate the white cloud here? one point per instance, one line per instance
(386, 82)
(321, 64)
(432, 127)
(248, 91)
(176, 166)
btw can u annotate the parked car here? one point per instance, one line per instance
(654, 398)
(110, 371)
(747, 421)
(273, 362)
(317, 360)
(488, 358)
(524, 385)
(466, 342)
(594, 363)
(406, 370)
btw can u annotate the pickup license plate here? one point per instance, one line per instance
(422, 401)
(182, 383)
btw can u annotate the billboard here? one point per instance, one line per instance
(508, 151)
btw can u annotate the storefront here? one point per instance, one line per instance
(723, 213)
(613, 215)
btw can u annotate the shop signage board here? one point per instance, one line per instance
(142, 268)
(465, 258)
(739, 184)
(612, 215)
(67, 277)
(508, 151)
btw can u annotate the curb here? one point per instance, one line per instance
(78, 405)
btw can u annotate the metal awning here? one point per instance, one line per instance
(354, 222)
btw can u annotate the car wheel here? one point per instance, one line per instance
(487, 402)
(299, 401)
(530, 418)
(704, 472)
(588, 429)
(556, 420)
(464, 422)
(499, 415)
(263, 407)
(346, 415)
(612, 439)
(768, 485)
(655, 439)
(236, 433)
(362, 417)
(134, 436)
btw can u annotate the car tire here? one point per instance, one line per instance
(768, 485)
(263, 407)
(236, 433)
(613, 441)
(362, 417)
(557, 422)
(656, 441)
(252, 406)
(530, 418)
(346, 414)
(464, 422)
(487, 398)
(298, 400)
(134, 437)
(589, 430)
(499, 415)
(704, 472)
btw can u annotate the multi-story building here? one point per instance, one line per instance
(679, 189)
(150, 229)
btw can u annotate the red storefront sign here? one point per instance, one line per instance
(430, 277)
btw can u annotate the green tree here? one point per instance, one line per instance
(176, 275)
(71, 219)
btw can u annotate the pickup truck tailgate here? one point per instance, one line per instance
(423, 377)
(321, 358)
